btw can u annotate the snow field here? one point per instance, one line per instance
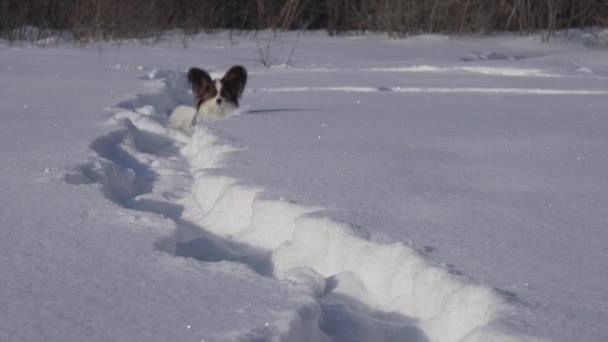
(329, 260)
(484, 156)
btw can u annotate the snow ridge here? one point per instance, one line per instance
(364, 290)
(328, 258)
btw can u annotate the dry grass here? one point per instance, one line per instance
(111, 19)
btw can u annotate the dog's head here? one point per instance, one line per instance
(220, 95)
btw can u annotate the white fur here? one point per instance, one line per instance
(182, 116)
(185, 117)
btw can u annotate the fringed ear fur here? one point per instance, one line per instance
(199, 79)
(235, 79)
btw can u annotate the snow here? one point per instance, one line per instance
(425, 189)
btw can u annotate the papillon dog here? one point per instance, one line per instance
(214, 99)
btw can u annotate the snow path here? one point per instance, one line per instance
(423, 68)
(139, 167)
(366, 290)
(438, 90)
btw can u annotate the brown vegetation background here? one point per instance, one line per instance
(112, 19)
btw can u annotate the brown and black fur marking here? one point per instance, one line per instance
(233, 83)
(202, 86)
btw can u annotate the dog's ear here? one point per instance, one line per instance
(199, 79)
(235, 79)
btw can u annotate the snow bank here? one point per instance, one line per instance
(309, 250)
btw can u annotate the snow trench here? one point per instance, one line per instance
(365, 290)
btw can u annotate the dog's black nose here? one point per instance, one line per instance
(219, 101)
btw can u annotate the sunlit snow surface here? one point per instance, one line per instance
(425, 189)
